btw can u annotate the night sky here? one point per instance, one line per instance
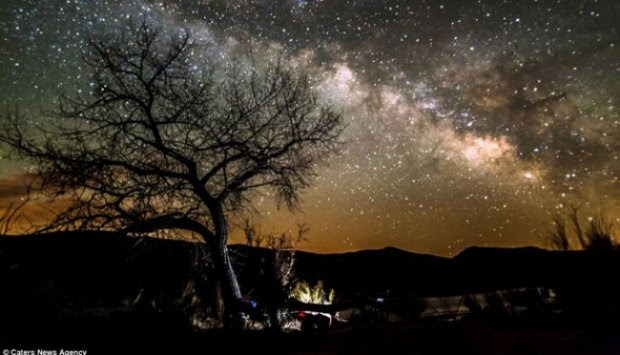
(468, 122)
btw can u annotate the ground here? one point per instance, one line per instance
(415, 337)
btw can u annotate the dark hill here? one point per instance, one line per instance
(109, 265)
(476, 269)
(54, 276)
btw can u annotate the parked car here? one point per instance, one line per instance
(314, 321)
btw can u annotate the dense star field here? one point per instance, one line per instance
(468, 122)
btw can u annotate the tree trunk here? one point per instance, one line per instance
(233, 312)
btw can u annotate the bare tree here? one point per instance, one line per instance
(276, 273)
(12, 214)
(253, 237)
(558, 237)
(166, 143)
(599, 234)
(573, 215)
(596, 234)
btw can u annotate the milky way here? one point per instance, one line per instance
(468, 122)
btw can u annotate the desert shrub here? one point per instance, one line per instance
(599, 236)
(473, 304)
(596, 235)
(306, 293)
(272, 273)
(496, 308)
(558, 237)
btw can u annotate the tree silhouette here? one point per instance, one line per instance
(273, 272)
(595, 235)
(164, 143)
(12, 214)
